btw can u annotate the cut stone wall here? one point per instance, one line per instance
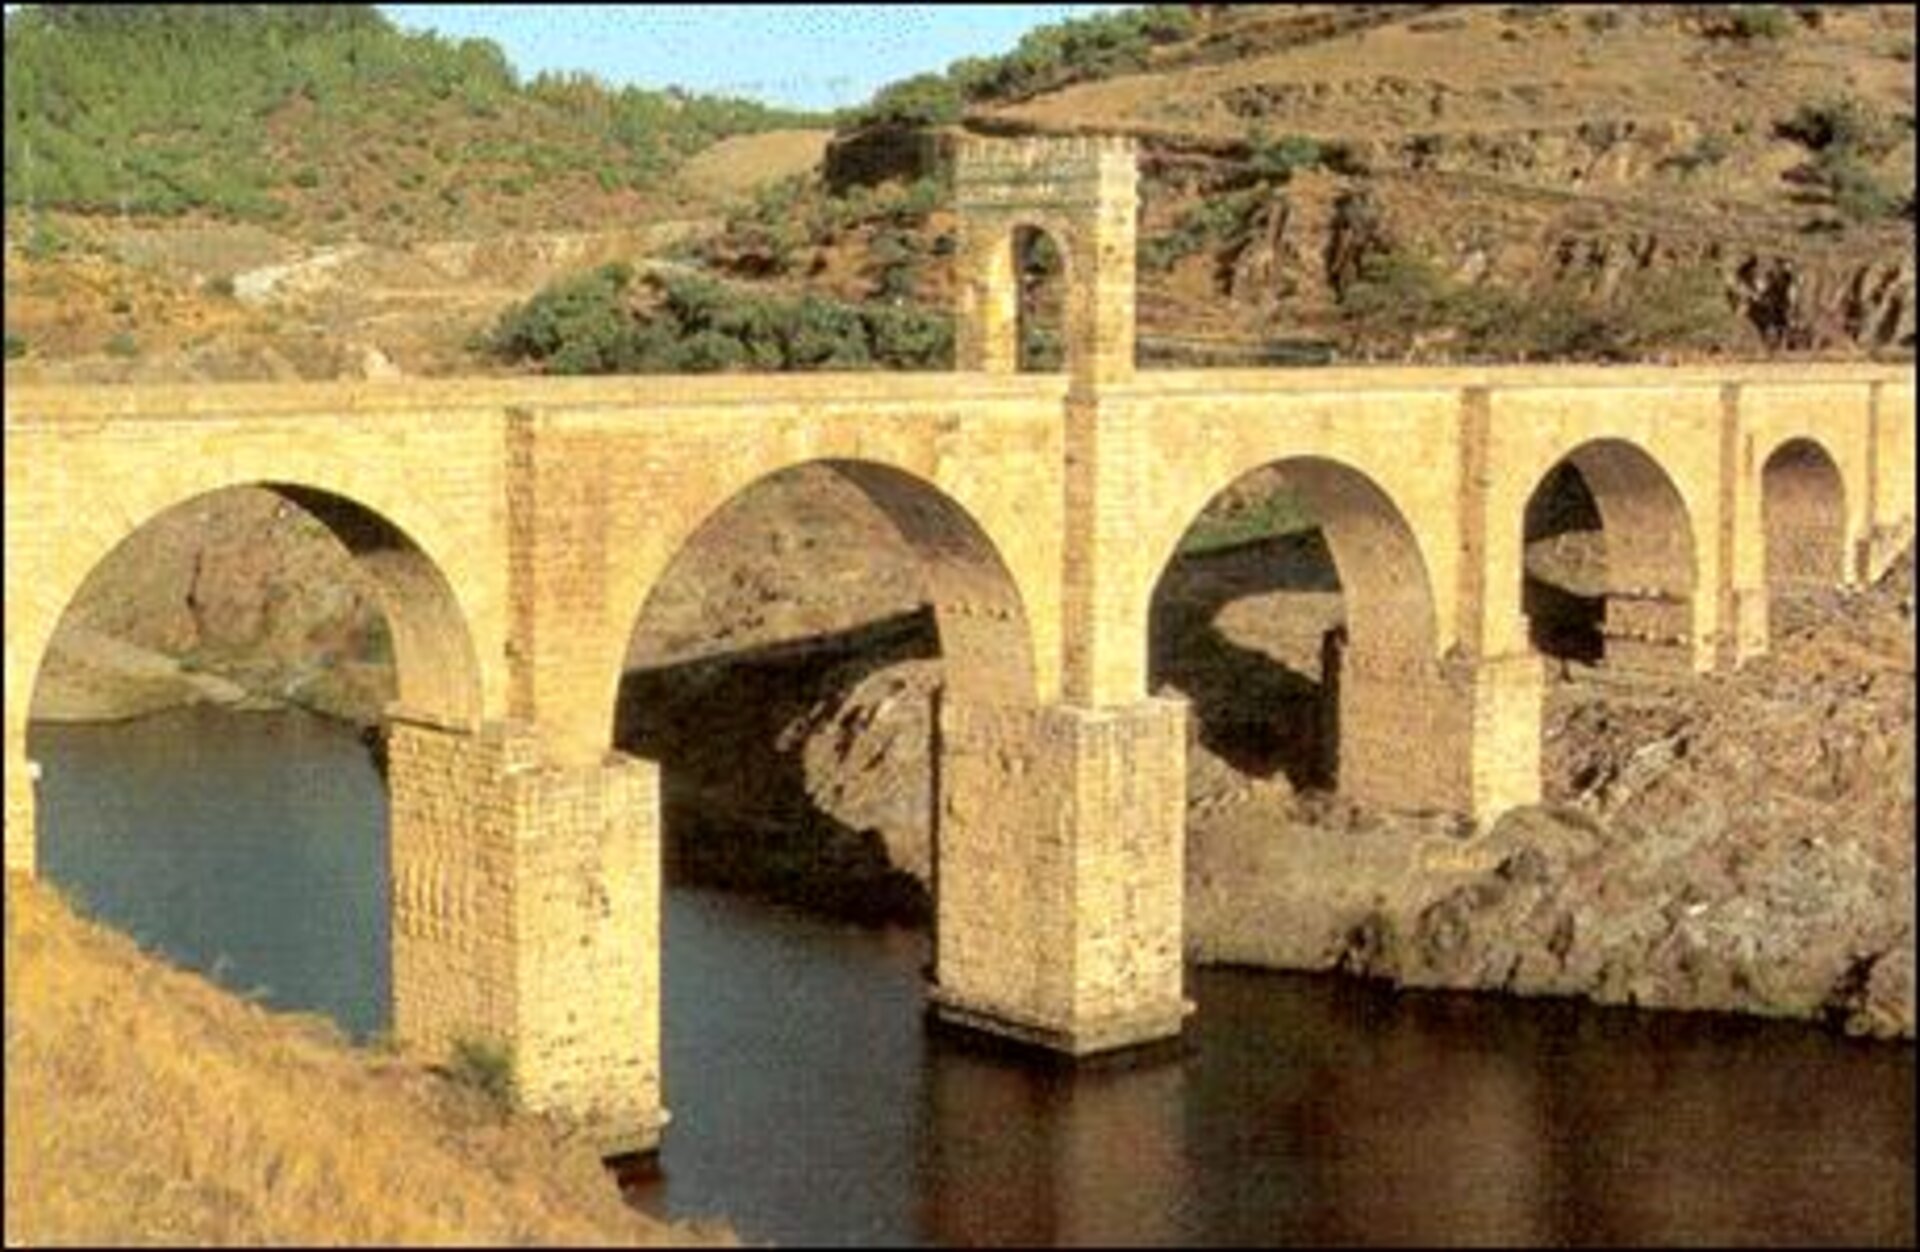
(1058, 872)
(526, 915)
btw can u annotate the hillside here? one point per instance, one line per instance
(145, 1105)
(328, 122)
(1463, 181)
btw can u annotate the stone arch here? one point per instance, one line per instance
(978, 610)
(1612, 571)
(435, 663)
(436, 666)
(1042, 273)
(795, 727)
(1381, 708)
(1803, 510)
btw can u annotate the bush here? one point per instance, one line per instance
(923, 100)
(1758, 21)
(123, 344)
(1216, 220)
(1844, 123)
(1277, 159)
(1857, 193)
(16, 346)
(583, 325)
(1046, 57)
(485, 1066)
(1711, 148)
(1397, 299)
(577, 325)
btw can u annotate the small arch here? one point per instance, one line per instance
(1609, 570)
(1040, 327)
(1338, 663)
(1803, 512)
(436, 668)
(1015, 281)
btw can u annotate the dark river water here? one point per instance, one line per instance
(812, 1104)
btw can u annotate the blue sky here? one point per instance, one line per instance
(804, 55)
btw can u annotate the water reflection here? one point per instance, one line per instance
(812, 1103)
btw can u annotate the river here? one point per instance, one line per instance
(812, 1103)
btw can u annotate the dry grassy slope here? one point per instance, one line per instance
(1522, 142)
(146, 1106)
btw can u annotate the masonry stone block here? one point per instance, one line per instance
(526, 902)
(1058, 872)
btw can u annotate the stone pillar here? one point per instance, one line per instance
(526, 916)
(23, 776)
(1058, 872)
(1740, 601)
(1460, 736)
(1506, 695)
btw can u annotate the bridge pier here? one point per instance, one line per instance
(1058, 872)
(1457, 735)
(22, 777)
(526, 919)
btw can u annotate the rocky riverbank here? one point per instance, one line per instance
(1739, 841)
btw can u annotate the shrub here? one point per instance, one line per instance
(923, 100)
(1277, 159)
(1397, 298)
(122, 344)
(1758, 21)
(583, 325)
(1711, 148)
(1846, 123)
(1041, 350)
(16, 346)
(1857, 192)
(483, 1065)
(577, 325)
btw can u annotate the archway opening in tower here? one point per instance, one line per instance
(1039, 268)
(784, 673)
(205, 724)
(1608, 572)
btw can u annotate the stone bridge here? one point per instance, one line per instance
(516, 528)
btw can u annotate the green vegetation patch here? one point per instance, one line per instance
(246, 110)
(587, 324)
(1400, 303)
(1277, 513)
(1077, 50)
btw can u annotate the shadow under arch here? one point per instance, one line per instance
(1610, 571)
(1344, 707)
(1803, 513)
(770, 653)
